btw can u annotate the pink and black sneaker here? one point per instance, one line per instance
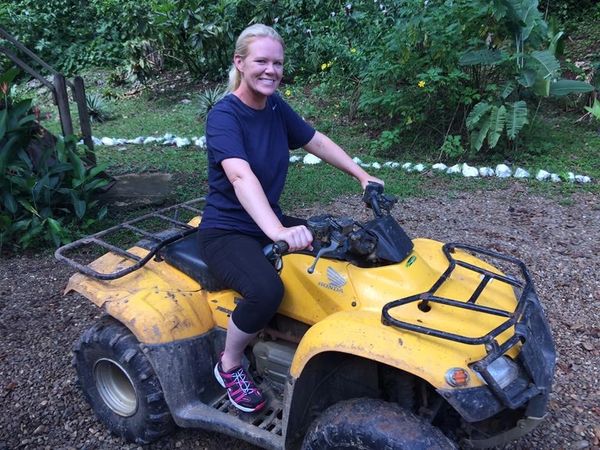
(242, 391)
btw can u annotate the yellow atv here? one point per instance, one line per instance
(380, 342)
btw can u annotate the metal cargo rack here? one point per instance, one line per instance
(425, 298)
(172, 229)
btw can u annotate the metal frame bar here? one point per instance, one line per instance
(471, 304)
(181, 230)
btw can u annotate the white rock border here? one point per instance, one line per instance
(467, 171)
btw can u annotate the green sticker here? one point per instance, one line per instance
(411, 260)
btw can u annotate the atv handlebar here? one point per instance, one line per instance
(375, 199)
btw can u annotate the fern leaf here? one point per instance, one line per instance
(478, 111)
(516, 118)
(497, 122)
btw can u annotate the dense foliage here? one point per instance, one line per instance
(46, 191)
(467, 73)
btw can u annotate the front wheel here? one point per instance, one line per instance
(369, 424)
(120, 384)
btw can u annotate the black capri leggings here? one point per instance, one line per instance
(237, 260)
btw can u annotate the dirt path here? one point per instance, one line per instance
(40, 406)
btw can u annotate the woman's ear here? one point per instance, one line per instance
(238, 61)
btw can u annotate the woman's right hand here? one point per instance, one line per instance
(298, 237)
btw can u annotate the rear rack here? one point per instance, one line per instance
(174, 229)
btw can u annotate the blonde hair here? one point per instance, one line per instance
(244, 40)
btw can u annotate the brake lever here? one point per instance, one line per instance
(333, 246)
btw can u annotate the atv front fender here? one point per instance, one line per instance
(157, 303)
(361, 333)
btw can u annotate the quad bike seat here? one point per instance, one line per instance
(183, 254)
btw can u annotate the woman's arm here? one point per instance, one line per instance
(253, 199)
(323, 147)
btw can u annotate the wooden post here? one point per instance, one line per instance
(62, 101)
(84, 118)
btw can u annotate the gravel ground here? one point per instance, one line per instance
(40, 406)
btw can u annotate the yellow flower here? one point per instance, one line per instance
(329, 64)
(323, 66)
(352, 50)
(288, 93)
(421, 84)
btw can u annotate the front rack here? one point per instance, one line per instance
(489, 339)
(172, 229)
(514, 395)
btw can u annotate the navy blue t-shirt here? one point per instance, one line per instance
(263, 138)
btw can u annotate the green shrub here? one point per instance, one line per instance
(72, 34)
(45, 191)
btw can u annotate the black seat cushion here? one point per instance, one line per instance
(184, 256)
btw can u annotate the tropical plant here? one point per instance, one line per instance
(594, 110)
(523, 66)
(209, 98)
(45, 189)
(97, 108)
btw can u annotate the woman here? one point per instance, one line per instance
(249, 134)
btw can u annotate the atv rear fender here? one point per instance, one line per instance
(157, 303)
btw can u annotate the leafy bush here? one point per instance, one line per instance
(71, 34)
(521, 66)
(45, 190)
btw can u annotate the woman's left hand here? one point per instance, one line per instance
(370, 179)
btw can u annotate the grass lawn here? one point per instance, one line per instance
(556, 142)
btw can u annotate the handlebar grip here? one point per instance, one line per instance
(280, 247)
(275, 249)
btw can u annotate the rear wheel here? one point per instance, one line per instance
(369, 424)
(120, 384)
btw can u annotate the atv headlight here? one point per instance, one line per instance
(504, 371)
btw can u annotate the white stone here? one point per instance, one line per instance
(108, 141)
(503, 171)
(469, 171)
(200, 142)
(168, 136)
(182, 142)
(555, 178)
(357, 160)
(456, 168)
(120, 141)
(96, 141)
(81, 142)
(486, 172)
(391, 164)
(521, 173)
(582, 179)
(419, 167)
(571, 177)
(150, 140)
(311, 159)
(365, 165)
(542, 175)
(295, 158)
(439, 166)
(376, 165)
(168, 142)
(407, 166)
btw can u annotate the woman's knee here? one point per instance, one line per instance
(267, 293)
